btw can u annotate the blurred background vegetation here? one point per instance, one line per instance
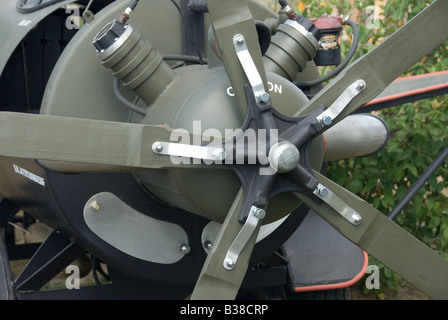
(418, 131)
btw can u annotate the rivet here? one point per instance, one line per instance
(184, 248)
(230, 263)
(157, 147)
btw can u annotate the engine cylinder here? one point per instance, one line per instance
(291, 48)
(133, 60)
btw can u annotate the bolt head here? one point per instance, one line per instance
(230, 263)
(184, 248)
(208, 245)
(239, 40)
(264, 96)
(259, 213)
(361, 85)
(356, 218)
(323, 191)
(326, 121)
(219, 154)
(157, 147)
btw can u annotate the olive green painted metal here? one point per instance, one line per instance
(68, 87)
(138, 64)
(388, 242)
(113, 221)
(86, 141)
(225, 29)
(109, 143)
(15, 25)
(377, 234)
(215, 282)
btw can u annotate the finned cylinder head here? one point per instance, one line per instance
(133, 60)
(291, 48)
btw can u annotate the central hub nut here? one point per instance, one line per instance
(283, 156)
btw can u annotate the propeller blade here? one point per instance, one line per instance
(105, 144)
(229, 18)
(216, 282)
(386, 241)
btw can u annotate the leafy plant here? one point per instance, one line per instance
(418, 133)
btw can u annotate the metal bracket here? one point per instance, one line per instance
(337, 204)
(327, 117)
(238, 244)
(251, 71)
(189, 151)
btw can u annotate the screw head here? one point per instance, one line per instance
(157, 147)
(219, 154)
(208, 245)
(264, 96)
(356, 218)
(259, 213)
(323, 191)
(184, 248)
(230, 263)
(326, 121)
(239, 40)
(361, 85)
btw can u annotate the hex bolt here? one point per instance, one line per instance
(259, 213)
(184, 248)
(323, 191)
(325, 121)
(263, 96)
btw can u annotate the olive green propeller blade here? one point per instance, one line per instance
(110, 146)
(386, 241)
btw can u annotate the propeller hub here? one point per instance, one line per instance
(284, 156)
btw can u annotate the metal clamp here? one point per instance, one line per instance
(337, 204)
(251, 71)
(238, 244)
(189, 151)
(327, 117)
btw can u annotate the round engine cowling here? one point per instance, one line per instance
(204, 103)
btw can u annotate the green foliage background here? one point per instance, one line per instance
(418, 133)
